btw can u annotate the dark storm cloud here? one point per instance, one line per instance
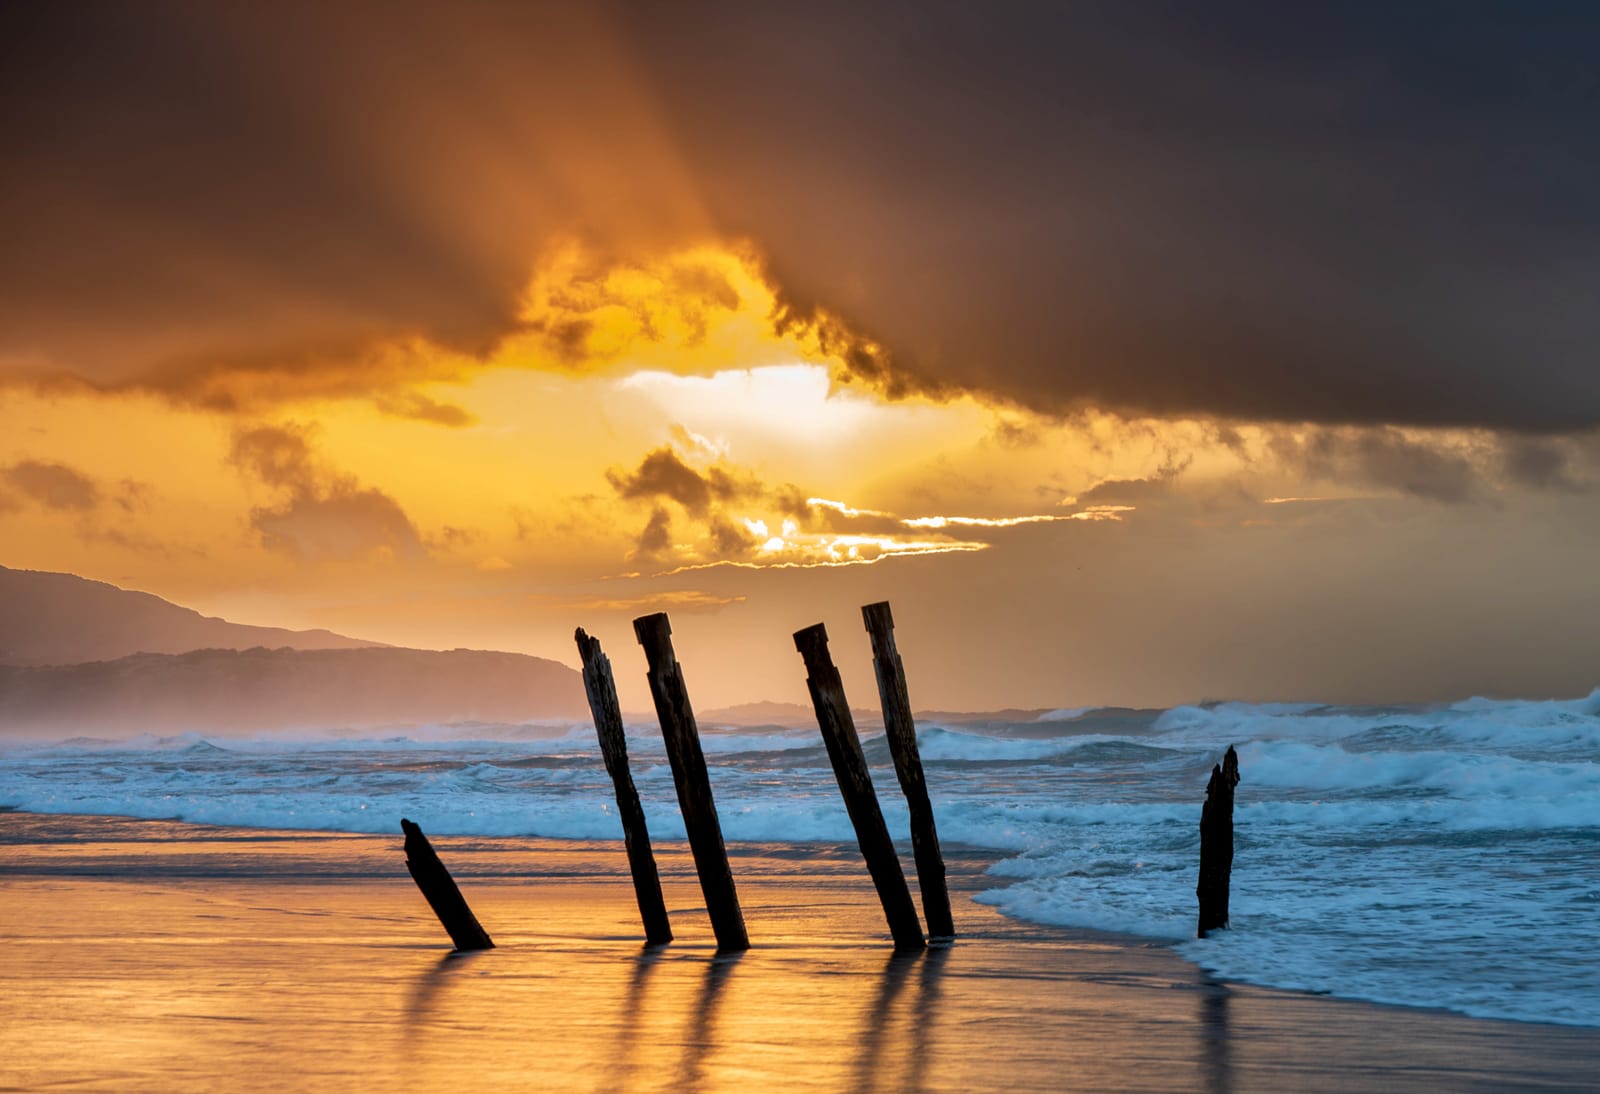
(1541, 463)
(1342, 213)
(194, 183)
(1337, 212)
(1385, 458)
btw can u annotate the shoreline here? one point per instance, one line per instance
(156, 954)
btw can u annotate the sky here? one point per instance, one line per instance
(1137, 354)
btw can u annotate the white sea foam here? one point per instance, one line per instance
(1066, 714)
(1439, 856)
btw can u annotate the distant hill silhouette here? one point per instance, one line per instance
(61, 619)
(262, 689)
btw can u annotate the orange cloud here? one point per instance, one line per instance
(691, 601)
(693, 310)
(52, 485)
(325, 514)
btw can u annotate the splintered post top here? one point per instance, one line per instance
(812, 642)
(654, 633)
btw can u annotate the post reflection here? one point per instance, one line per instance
(893, 1054)
(872, 1057)
(622, 1053)
(845, 1018)
(424, 996)
(700, 1036)
(1214, 1039)
(927, 1009)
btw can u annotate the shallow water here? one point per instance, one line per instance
(149, 955)
(1444, 857)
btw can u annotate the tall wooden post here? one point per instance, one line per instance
(855, 784)
(440, 889)
(602, 689)
(1216, 844)
(682, 739)
(901, 731)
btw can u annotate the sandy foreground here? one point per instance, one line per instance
(150, 955)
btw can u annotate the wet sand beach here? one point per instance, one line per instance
(152, 955)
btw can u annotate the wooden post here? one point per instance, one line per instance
(602, 689)
(855, 783)
(1216, 844)
(682, 739)
(902, 734)
(440, 889)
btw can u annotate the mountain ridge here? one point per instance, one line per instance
(51, 618)
(265, 689)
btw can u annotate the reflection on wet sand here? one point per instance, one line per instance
(874, 1059)
(893, 1054)
(933, 968)
(701, 1036)
(423, 1000)
(1214, 1041)
(622, 1058)
(200, 983)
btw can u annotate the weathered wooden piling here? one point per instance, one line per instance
(440, 889)
(1216, 844)
(689, 774)
(602, 689)
(901, 732)
(855, 783)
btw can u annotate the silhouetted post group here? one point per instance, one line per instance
(682, 740)
(855, 784)
(440, 889)
(1216, 844)
(690, 777)
(901, 732)
(602, 689)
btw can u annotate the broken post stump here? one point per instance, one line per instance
(1216, 844)
(440, 889)
(602, 689)
(682, 739)
(901, 732)
(855, 784)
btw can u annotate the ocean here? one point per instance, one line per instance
(1440, 856)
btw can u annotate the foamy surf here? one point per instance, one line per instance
(1440, 856)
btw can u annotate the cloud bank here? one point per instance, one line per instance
(1348, 216)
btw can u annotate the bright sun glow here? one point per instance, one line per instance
(793, 401)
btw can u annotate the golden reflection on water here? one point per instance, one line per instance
(172, 978)
(207, 984)
(845, 1019)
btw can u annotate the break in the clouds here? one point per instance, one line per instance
(1343, 214)
(722, 515)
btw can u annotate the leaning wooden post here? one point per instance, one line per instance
(901, 731)
(440, 889)
(602, 689)
(1216, 844)
(855, 783)
(682, 739)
